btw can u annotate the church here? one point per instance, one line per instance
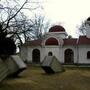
(56, 43)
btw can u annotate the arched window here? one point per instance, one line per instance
(50, 54)
(69, 56)
(51, 41)
(36, 56)
(88, 55)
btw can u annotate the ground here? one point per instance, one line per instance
(34, 78)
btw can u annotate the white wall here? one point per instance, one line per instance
(83, 54)
(56, 34)
(23, 53)
(80, 52)
(56, 50)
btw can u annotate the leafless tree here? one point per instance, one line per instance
(16, 25)
(13, 22)
(29, 29)
(40, 27)
(82, 29)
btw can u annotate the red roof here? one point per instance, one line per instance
(70, 41)
(84, 40)
(57, 28)
(33, 43)
(51, 41)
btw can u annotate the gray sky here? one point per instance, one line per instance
(69, 13)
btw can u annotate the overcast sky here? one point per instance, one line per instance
(69, 13)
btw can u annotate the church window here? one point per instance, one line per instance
(88, 55)
(50, 54)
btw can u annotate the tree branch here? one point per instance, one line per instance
(14, 15)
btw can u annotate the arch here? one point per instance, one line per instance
(36, 56)
(50, 54)
(88, 55)
(51, 41)
(69, 56)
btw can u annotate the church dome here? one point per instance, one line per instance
(88, 19)
(57, 28)
(87, 22)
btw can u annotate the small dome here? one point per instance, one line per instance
(88, 19)
(57, 28)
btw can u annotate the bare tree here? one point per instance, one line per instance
(13, 22)
(16, 25)
(40, 27)
(28, 29)
(82, 28)
(9, 26)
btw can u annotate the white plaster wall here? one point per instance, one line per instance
(80, 53)
(43, 53)
(83, 54)
(23, 53)
(56, 34)
(74, 48)
(56, 50)
(29, 54)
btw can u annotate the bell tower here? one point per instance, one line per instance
(87, 23)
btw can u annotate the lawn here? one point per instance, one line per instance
(34, 78)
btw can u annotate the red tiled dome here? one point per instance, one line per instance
(57, 28)
(88, 19)
(51, 41)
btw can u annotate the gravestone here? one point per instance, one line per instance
(3, 70)
(15, 65)
(12, 66)
(51, 65)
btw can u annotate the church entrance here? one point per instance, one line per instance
(36, 56)
(69, 56)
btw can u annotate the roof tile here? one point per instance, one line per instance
(84, 40)
(70, 41)
(33, 43)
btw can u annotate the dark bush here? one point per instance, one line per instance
(7, 47)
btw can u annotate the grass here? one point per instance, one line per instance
(34, 78)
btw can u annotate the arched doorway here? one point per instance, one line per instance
(36, 56)
(69, 56)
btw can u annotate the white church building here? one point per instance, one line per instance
(55, 42)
